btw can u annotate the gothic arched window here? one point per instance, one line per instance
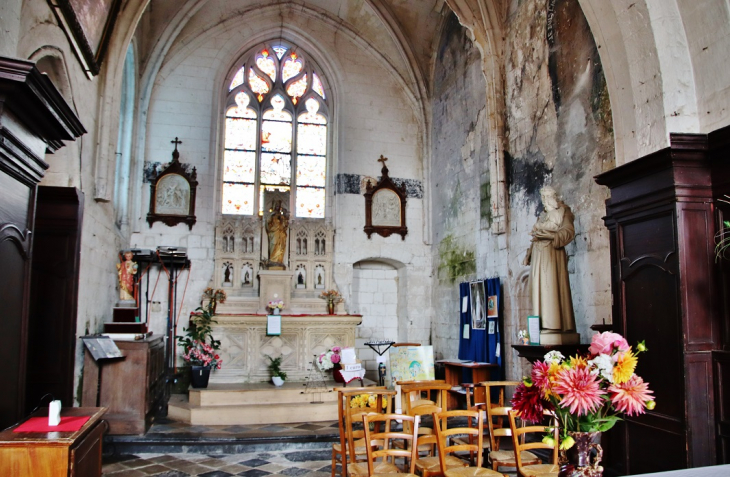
(275, 133)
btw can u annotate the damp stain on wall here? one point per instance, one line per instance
(527, 175)
(454, 261)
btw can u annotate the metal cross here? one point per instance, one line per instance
(177, 141)
(382, 159)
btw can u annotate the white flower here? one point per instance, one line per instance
(603, 365)
(554, 357)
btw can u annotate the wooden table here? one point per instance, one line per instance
(454, 376)
(42, 454)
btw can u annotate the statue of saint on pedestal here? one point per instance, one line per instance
(126, 270)
(277, 228)
(549, 285)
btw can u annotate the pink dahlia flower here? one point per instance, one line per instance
(631, 397)
(607, 342)
(541, 377)
(580, 390)
(335, 358)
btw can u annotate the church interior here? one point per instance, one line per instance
(160, 160)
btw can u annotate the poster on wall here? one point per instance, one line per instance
(492, 306)
(411, 363)
(478, 306)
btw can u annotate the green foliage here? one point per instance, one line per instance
(275, 366)
(199, 330)
(722, 239)
(455, 261)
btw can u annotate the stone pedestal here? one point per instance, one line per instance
(568, 338)
(275, 285)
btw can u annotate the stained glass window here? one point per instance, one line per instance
(272, 140)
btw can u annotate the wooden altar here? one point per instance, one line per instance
(245, 345)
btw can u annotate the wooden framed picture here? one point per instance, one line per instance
(385, 206)
(88, 25)
(172, 195)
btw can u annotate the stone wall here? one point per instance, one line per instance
(559, 132)
(372, 114)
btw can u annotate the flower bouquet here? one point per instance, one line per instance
(585, 394)
(367, 400)
(202, 354)
(329, 359)
(331, 296)
(275, 306)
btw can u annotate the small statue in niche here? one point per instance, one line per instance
(548, 261)
(277, 227)
(246, 278)
(126, 270)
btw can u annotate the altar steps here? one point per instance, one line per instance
(255, 403)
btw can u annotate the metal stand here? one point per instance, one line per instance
(377, 346)
(315, 382)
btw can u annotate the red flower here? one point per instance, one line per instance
(528, 402)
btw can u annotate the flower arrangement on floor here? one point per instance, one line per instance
(329, 358)
(199, 346)
(276, 305)
(367, 400)
(586, 394)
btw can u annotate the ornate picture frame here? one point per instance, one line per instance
(385, 206)
(172, 194)
(88, 24)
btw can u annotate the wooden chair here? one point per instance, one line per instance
(354, 433)
(427, 443)
(416, 393)
(472, 405)
(499, 428)
(445, 432)
(518, 439)
(390, 443)
(339, 449)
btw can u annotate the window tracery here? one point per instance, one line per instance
(276, 124)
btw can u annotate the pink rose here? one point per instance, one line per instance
(607, 342)
(335, 358)
(336, 349)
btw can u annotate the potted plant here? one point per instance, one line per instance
(199, 346)
(330, 359)
(277, 375)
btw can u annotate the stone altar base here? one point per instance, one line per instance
(255, 403)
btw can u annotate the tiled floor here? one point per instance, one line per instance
(290, 462)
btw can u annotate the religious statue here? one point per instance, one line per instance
(277, 227)
(550, 288)
(126, 270)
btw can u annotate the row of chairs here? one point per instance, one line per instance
(371, 438)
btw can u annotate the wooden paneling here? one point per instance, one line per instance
(661, 218)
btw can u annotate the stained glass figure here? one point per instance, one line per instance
(266, 64)
(275, 168)
(311, 170)
(279, 50)
(239, 166)
(310, 202)
(297, 89)
(317, 85)
(258, 85)
(237, 199)
(292, 66)
(237, 80)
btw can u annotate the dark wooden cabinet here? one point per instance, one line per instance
(34, 119)
(131, 388)
(662, 220)
(42, 454)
